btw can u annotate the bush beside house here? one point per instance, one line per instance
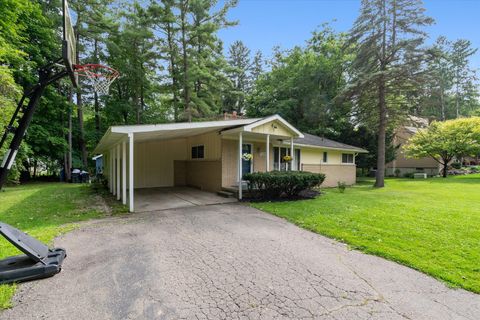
(281, 184)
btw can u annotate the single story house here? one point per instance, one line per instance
(402, 165)
(210, 155)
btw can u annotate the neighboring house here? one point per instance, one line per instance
(403, 165)
(98, 164)
(209, 155)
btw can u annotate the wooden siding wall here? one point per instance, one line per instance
(229, 162)
(156, 161)
(206, 175)
(153, 163)
(275, 128)
(230, 159)
(212, 143)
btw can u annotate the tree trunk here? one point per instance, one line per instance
(382, 126)
(34, 168)
(186, 89)
(172, 70)
(445, 169)
(457, 107)
(97, 116)
(68, 173)
(96, 102)
(442, 103)
(382, 105)
(83, 147)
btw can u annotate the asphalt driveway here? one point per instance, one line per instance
(228, 261)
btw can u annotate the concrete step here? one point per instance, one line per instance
(226, 194)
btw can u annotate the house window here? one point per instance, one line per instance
(347, 158)
(297, 160)
(198, 152)
(325, 157)
(278, 163)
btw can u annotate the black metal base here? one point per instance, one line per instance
(38, 261)
(23, 268)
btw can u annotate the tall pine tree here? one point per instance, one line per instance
(387, 38)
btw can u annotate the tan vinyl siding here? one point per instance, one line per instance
(154, 160)
(205, 175)
(273, 127)
(153, 164)
(230, 159)
(212, 143)
(315, 156)
(229, 162)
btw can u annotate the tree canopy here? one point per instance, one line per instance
(354, 87)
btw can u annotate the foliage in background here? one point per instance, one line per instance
(450, 89)
(303, 83)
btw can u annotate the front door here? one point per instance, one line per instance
(246, 164)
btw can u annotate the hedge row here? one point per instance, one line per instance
(278, 184)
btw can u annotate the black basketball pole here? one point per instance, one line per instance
(45, 78)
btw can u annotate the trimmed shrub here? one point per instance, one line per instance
(341, 186)
(456, 165)
(278, 184)
(408, 175)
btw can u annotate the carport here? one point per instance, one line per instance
(156, 199)
(146, 160)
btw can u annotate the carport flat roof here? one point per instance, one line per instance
(166, 131)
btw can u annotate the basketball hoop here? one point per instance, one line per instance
(100, 75)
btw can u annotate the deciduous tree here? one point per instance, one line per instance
(444, 141)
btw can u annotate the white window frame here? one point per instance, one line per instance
(196, 146)
(348, 154)
(325, 157)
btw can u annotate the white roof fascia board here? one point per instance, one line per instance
(249, 127)
(179, 126)
(359, 150)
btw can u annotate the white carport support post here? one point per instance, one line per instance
(131, 200)
(110, 178)
(119, 192)
(108, 166)
(114, 172)
(292, 154)
(267, 147)
(124, 172)
(240, 174)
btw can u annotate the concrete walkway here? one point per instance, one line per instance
(228, 262)
(156, 199)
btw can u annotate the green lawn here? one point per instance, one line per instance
(431, 225)
(46, 210)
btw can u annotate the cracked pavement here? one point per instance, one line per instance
(227, 261)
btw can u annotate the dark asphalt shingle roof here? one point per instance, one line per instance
(316, 141)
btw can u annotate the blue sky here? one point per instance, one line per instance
(266, 23)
